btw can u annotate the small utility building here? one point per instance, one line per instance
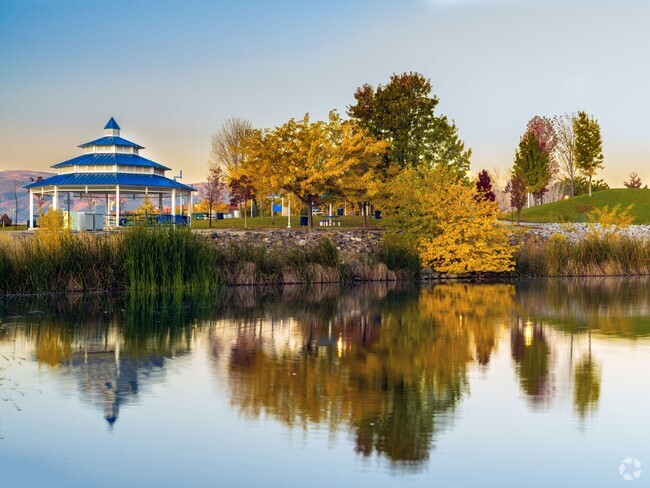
(111, 168)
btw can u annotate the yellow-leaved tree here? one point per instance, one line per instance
(453, 231)
(147, 207)
(311, 159)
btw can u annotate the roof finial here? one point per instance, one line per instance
(111, 128)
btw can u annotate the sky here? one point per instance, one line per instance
(171, 72)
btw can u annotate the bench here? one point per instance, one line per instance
(330, 223)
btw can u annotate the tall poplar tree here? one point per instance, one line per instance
(532, 163)
(588, 145)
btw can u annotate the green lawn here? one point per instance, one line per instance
(576, 209)
(281, 223)
(9, 229)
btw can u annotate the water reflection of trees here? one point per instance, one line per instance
(112, 345)
(579, 308)
(388, 362)
(531, 353)
(613, 306)
(392, 369)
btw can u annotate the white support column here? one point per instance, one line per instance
(173, 202)
(55, 199)
(31, 209)
(190, 209)
(289, 213)
(117, 206)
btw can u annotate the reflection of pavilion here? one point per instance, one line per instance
(110, 375)
(109, 379)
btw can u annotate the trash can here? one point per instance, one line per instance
(339, 212)
(219, 215)
(304, 220)
(378, 214)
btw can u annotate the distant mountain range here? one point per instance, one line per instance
(17, 179)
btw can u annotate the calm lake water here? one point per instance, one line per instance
(537, 384)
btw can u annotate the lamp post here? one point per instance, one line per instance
(272, 197)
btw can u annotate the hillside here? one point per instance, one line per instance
(575, 209)
(17, 178)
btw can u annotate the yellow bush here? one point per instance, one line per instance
(611, 221)
(452, 230)
(52, 227)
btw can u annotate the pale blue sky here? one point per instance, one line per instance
(172, 71)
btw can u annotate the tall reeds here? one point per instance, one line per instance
(592, 256)
(157, 259)
(165, 258)
(67, 263)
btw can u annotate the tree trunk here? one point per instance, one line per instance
(589, 185)
(210, 214)
(310, 214)
(365, 215)
(244, 214)
(16, 210)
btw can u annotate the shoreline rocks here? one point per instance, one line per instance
(575, 232)
(347, 241)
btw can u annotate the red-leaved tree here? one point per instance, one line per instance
(517, 193)
(214, 188)
(635, 181)
(241, 190)
(484, 187)
(545, 133)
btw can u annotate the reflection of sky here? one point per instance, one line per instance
(184, 428)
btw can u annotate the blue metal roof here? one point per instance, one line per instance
(108, 159)
(109, 179)
(111, 141)
(112, 124)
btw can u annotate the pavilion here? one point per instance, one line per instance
(111, 167)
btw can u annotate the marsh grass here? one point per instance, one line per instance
(594, 256)
(158, 259)
(248, 264)
(67, 263)
(165, 258)
(405, 262)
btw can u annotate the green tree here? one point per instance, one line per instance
(588, 145)
(581, 185)
(402, 113)
(532, 163)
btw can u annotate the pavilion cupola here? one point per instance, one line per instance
(111, 128)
